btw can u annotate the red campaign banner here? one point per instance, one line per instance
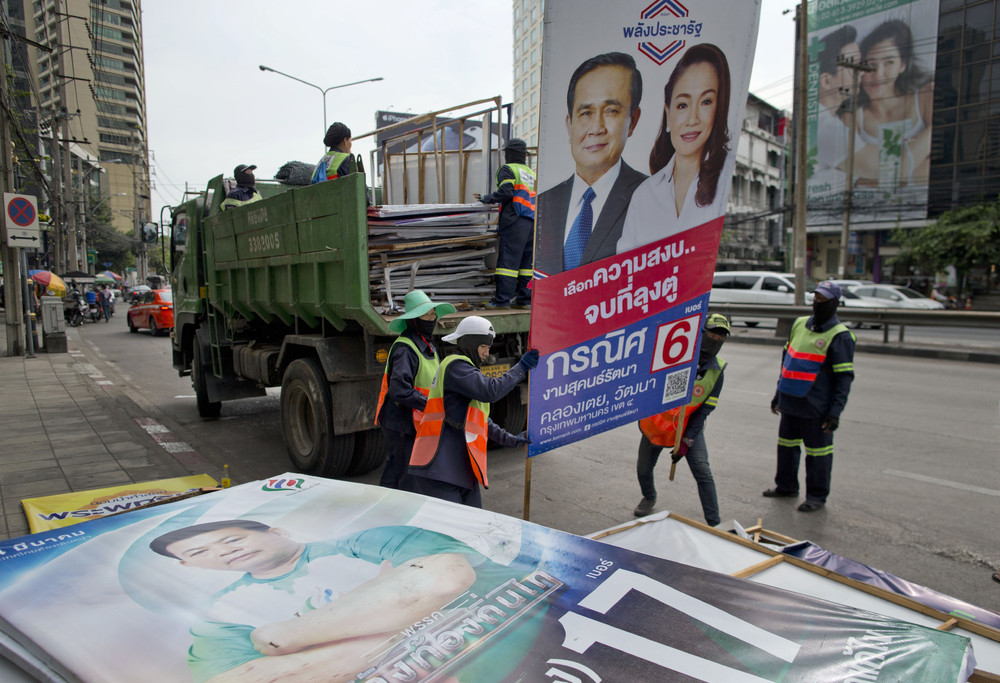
(613, 293)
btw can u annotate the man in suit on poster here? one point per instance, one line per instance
(580, 220)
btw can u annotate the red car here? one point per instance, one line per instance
(155, 310)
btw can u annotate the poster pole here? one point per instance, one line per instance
(527, 485)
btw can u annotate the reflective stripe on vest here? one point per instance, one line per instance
(230, 202)
(425, 446)
(524, 189)
(426, 370)
(804, 355)
(661, 429)
(333, 161)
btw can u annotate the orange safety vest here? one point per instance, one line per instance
(425, 446)
(661, 429)
(422, 382)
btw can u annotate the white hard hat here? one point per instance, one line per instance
(473, 325)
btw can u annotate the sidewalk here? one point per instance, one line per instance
(61, 431)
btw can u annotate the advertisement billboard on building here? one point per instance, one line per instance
(641, 113)
(894, 41)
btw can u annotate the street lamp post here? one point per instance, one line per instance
(324, 91)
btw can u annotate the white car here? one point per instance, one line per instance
(755, 287)
(896, 296)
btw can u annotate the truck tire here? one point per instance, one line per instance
(207, 409)
(369, 452)
(510, 413)
(307, 422)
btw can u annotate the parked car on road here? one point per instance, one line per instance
(896, 296)
(755, 287)
(155, 311)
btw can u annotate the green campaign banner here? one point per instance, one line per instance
(303, 578)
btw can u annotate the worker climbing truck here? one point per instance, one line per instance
(281, 293)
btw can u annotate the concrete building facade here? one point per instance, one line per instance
(91, 90)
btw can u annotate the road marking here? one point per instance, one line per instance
(181, 450)
(943, 482)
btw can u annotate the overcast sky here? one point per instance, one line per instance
(211, 108)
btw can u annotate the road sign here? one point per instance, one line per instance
(21, 214)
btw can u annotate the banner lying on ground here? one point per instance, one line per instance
(641, 112)
(54, 512)
(897, 40)
(297, 578)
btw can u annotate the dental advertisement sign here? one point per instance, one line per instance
(641, 113)
(299, 578)
(895, 44)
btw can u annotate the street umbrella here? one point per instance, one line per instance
(49, 279)
(113, 275)
(104, 279)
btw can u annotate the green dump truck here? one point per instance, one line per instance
(278, 294)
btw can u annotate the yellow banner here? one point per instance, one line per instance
(54, 512)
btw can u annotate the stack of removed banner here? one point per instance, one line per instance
(439, 248)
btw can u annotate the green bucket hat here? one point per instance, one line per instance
(416, 304)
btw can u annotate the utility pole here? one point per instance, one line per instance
(855, 68)
(72, 261)
(13, 291)
(801, 117)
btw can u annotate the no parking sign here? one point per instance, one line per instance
(21, 216)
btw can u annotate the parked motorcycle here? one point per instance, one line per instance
(75, 309)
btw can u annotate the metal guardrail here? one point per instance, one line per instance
(886, 317)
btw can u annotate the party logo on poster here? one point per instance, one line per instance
(663, 20)
(282, 484)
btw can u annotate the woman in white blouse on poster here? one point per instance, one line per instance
(690, 155)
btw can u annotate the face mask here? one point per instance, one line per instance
(709, 348)
(426, 327)
(824, 310)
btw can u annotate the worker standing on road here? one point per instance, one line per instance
(338, 161)
(660, 431)
(817, 368)
(409, 372)
(245, 191)
(516, 196)
(449, 454)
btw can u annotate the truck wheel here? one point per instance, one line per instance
(510, 413)
(369, 452)
(307, 422)
(206, 408)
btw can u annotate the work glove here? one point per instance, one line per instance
(774, 405)
(830, 423)
(523, 438)
(681, 451)
(529, 360)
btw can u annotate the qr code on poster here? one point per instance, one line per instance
(676, 385)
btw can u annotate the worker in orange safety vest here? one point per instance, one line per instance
(409, 371)
(449, 454)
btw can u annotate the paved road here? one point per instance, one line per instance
(916, 487)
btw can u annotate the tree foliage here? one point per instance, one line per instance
(112, 246)
(966, 238)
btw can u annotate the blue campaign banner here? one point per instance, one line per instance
(299, 578)
(642, 369)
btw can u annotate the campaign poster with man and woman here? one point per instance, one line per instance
(641, 113)
(889, 110)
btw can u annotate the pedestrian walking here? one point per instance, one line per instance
(449, 454)
(660, 431)
(516, 196)
(817, 368)
(106, 299)
(406, 383)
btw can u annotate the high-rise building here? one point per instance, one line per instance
(527, 68)
(91, 93)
